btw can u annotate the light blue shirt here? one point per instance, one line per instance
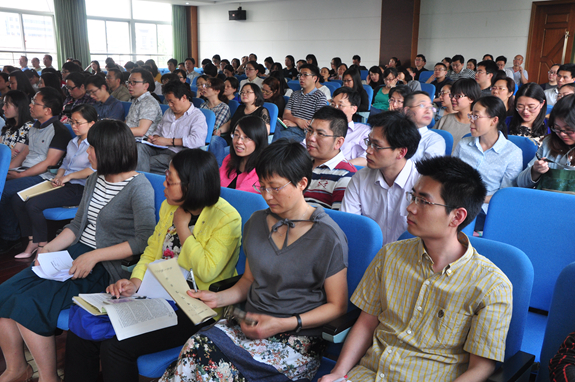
(76, 159)
(499, 166)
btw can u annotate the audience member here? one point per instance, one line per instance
(381, 98)
(503, 88)
(216, 101)
(23, 62)
(394, 62)
(501, 61)
(419, 62)
(397, 97)
(552, 77)
(182, 126)
(19, 81)
(418, 107)
(566, 90)
(378, 191)
(145, 113)
(486, 71)
(457, 70)
(520, 75)
(47, 60)
(95, 66)
(172, 64)
(375, 77)
(34, 79)
(181, 75)
(128, 66)
(405, 77)
(268, 62)
(69, 68)
(49, 80)
(76, 94)
(290, 71)
(115, 85)
(352, 79)
(340, 71)
(228, 71)
(487, 57)
(335, 63)
(438, 79)
(447, 62)
(445, 99)
(36, 64)
(272, 92)
(357, 62)
(529, 114)
(18, 121)
(106, 105)
(252, 75)
(472, 64)
(231, 86)
(565, 75)
(4, 83)
(331, 171)
(190, 63)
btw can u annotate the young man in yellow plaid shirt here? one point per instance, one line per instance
(433, 309)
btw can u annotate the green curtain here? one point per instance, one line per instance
(180, 32)
(71, 31)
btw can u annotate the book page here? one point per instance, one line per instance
(37, 189)
(97, 300)
(144, 141)
(169, 275)
(53, 263)
(152, 288)
(141, 316)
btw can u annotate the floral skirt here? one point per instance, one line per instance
(210, 356)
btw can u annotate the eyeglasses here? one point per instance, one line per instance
(530, 108)
(305, 75)
(396, 101)
(412, 198)
(70, 88)
(369, 143)
(168, 182)
(390, 79)
(248, 69)
(267, 92)
(269, 190)
(442, 93)
(473, 117)
(552, 73)
(311, 132)
(558, 131)
(422, 106)
(457, 96)
(205, 86)
(561, 95)
(92, 92)
(347, 81)
(481, 72)
(133, 83)
(498, 88)
(238, 137)
(338, 105)
(246, 93)
(34, 103)
(77, 123)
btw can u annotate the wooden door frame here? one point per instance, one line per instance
(534, 8)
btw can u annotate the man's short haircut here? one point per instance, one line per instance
(4, 77)
(410, 98)
(225, 61)
(178, 89)
(128, 65)
(25, 58)
(206, 61)
(356, 57)
(572, 86)
(216, 57)
(448, 59)
(404, 90)
(255, 55)
(440, 64)
(71, 67)
(398, 130)
(97, 81)
(269, 60)
(487, 55)
(461, 184)
(191, 59)
(169, 77)
(490, 66)
(336, 118)
(52, 98)
(114, 145)
(77, 78)
(501, 58)
(286, 159)
(49, 56)
(458, 57)
(352, 96)
(422, 57)
(312, 68)
(173, 61)
(146, 77)
(233, 82)
(567, 68)
(31, 73)
(210, 70)
(200, 178)
(229, 68)
(468, 87)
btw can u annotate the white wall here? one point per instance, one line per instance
(473, 28)
(326, 28)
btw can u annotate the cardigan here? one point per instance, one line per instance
(129, 216)
(212, 251)
(245, 180)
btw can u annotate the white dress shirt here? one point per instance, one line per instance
(431, 145)
(354, 146)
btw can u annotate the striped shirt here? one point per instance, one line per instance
(103, 193)
(429, 322)
(304, 106)
(329, 181)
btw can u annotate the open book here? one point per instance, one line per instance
(37, 189)
(130, 316)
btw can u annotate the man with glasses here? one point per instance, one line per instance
(418, 107)
(378, 191)
(565, 75)
(302, 105)
(520, 75)
(432, 308)
(484, 74)
(501, 61)
(353, 149)
(419, 63)
(552, 77)
(331, 171)
(145, 112)
(439, 79)
(76, 95)
(458, 70)
(69, 68)
(190, 63)
(182, 127)
(115, 86)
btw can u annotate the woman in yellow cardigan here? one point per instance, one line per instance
(199, 228)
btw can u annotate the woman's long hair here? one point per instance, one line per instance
(254, 128)
(531, 90)
(21, 103)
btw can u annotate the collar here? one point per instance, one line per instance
(39, 125)
(187, 112)
(146, 94)
(311, 92)
(109, 101)
(455, 266)
(333, 161)
(422, 130)
(401, 178)
(497, 147)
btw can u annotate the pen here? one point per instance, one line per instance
(341, 379)
(193, 280)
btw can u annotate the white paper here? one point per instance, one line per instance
(61, 276)
(153, 145)
(54, 263)
(141, 316)
(152, 288)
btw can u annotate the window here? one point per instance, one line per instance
(26, 33)
(130, 30)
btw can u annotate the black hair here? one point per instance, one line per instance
(4, 76)
(312, 68)
(200, 178)
(276, 66)
(531, 90)
(276, 88)
(77, 78)
(279, 74)
(564, 109)
(337, 62)
(24, 84)
(448, 59)
(408, 99)
(408, 77)
(377, 70)
(404, 90)
(336, 118)
(97, 81)
(206, 61)
(218, 85)
(468, 87)
(440, 64)
(290, 57)
(79, 63)
(71, 67)
(458, 57)
(487, 55)
(237, 62)
(49, 56)
(129, 65)
(254, 127)
(398, 130)
(397, 61)
(225, 61)
(51, 80)
(233, 82)
(474, 62)
(389, 71)
(87, 111)
(178, 89)
(191, 59)
(147, 78)
(31, 73)
(257, 92)
(356, 77)
(216, 57)
(98, 65)
(168, 76)
(114, 146)
(352, 96)
(182, 72)
(501, 75)
(255, 55)
(118, 73)
(229, 68)
(173, 61)
(567, 68)
(51, 98)
(261, 69)
(490, 66)
(153, 67)
(312, 58)
(461, 184)
(286, 159)
(269, 60)
(210, 70)
(501, 58)
(422, 57)
(356, 57)
(21, 103)
(495, 107)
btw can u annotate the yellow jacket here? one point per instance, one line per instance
(211, 252)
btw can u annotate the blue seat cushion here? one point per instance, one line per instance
(153, 365)
(60, 213)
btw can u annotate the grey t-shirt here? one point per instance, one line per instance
(291, 280)
(52, 134)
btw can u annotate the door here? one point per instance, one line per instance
(551, 36)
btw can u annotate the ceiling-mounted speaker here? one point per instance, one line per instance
(238, 14)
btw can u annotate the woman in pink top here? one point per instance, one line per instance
(249, 138)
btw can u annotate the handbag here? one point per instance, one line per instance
(557, 180)
(89, 327)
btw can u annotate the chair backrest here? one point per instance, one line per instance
(233, 105)
(197, 101)
(241, 77)
(211, 121)
(363, 74)
(332, 86)
(429, 89)
(164, 108)
(448, 140)
(161, 97)
(286, 99)
(340, 82)
(528, 148)
(424, 76)
(157, 182)
(246, 203)
(560, 321)
(468, 230)
(194, 80)
(72, 133)
(127, 106)
(294, 85)
(537, 222)
(364, 240)
(274, 111)
(5, 157)
(163, 70)
(194, 89)
(369, 92)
